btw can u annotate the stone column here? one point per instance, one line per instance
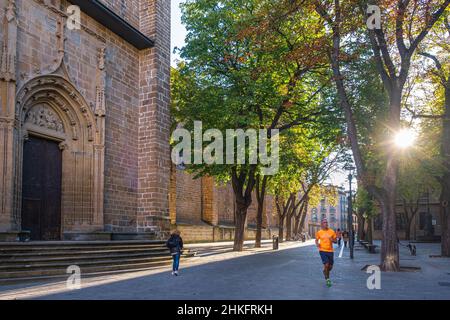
(99, 145)
(173, 195)
(154, 120)
(8, 52)
(209, 210)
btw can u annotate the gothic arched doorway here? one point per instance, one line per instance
(41, 188)
(60, 148)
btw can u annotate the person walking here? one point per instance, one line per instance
(175, 245)
(339, 236)
(345, 238)
(325, 238)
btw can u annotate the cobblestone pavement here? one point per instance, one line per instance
(293, 272)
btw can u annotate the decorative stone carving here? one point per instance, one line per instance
(44, 117)
(63, 146)
(8, 47)
(100, 105)
(11, 11)
(61, 38)
(53, 104)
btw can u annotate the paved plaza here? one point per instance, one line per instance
(293, 272)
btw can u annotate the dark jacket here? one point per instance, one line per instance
(175, 244)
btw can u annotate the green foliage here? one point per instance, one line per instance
(244, 70)
(365, 203)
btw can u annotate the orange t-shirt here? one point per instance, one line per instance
(326, 238)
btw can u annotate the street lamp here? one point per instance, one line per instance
(350, 210)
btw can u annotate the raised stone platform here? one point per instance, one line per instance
(31, 261)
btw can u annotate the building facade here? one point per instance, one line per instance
(426, 224)
(85, 127)
(205, 211)
(335, 213)
(84, 118)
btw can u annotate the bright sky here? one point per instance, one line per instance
(178, 36)
(178, 30)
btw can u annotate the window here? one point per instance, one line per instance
(422, 220)
(378, 223)
(314, 215)
(401, 225)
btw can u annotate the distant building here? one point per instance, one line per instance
(426, 224)
(335, 214)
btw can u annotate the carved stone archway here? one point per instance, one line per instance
(49, 106)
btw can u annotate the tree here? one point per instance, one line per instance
(237, 75)
(416, 178)
(404, 29)
(439, 111)
(366, 211)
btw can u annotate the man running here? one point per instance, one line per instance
(324, 241)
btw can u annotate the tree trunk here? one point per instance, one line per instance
(445, 182)
(303, 218)
(408, 229)
(281, 230)
(369, 237)
(297, 224)
(239, 230)
(390, 259)
(243, 184)
(289, 226)
(445, 219)
(259, 220)
(361, 226)
(260, 197)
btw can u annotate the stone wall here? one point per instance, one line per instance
(206, 233)
(189, 198)
(224, 202)
(204, 210)
(116, 167)
(154, 119)
(127, 9)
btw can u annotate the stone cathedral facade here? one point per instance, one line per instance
(85, 127)
(84, 119)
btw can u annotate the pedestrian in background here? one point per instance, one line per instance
(345, 237)
(339, 236)
(175, 245)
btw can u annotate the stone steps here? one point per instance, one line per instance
(24, 262)
(6, 248)
(63, 277)
(17, 276)
(32, 258)
(80, 252)
(44, 264)
(6, 271)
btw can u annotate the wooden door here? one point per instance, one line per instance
(41, 189)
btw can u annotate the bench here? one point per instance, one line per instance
(368, 246)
